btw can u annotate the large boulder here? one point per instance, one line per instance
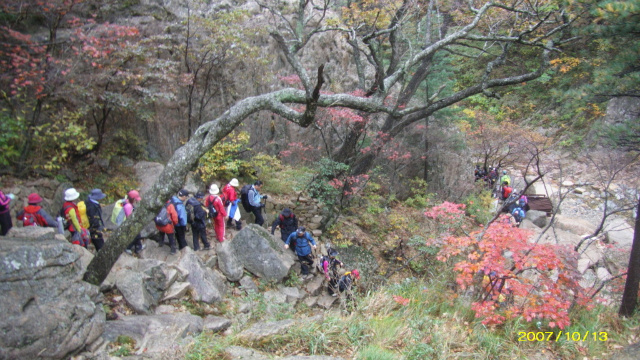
(259, 253)
(228, 263)
(46, 305)
(208, 285)
(574, 225)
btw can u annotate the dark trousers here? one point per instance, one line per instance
(181, 233)
(5, 223)
(136, 244)
(238, 223)
(199, 233)
(257, 212)
(97, 239)
(172, 240)
(305, 262)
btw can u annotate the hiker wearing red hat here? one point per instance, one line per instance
(34, 215)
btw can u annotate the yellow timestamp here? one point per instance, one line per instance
(567, 336)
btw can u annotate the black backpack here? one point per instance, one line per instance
(213, 213)
(189, 209)
(244, 198)
(162, 218)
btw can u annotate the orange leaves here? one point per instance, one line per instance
(565, 64)
(518, 278)
(400, 300)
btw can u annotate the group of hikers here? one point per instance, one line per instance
(84, 221)
(517, 204)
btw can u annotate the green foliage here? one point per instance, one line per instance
(221, 161)
(419, 197)
(10, 138)
(125, 142)
(479, 206)
(321, 187)
(115, 183)
(56, 142)
(208, 346)
(373, 352)
(124, 346)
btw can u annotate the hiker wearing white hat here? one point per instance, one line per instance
(79, 235)
(231, 200)
(216, 211)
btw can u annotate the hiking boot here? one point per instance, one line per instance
(161, 243)
(208, 247)
(128, 251)
(173, 251)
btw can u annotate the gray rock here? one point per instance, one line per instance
(275, 297)
(263, 330)
(147, 173)
(619, 233)
(176, 291)
(32, 233)
(131, 286)
(293, 294)
(262, 254)
(539, 218)
(228, 263)
(311, 301)
(247, 284)
(574, 225)
(314, 287)
(216, 323)
(631, 352)
(154, 334)
(242, 353)
(326, 301)
(208, 286)
(46, 305)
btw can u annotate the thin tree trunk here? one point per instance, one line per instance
(632, 285)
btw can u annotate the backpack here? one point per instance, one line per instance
(244, 198)
(82, 210)
(29, 219)
(63, 214)
(213, 213)
(162, 219)
(324, 258)
(118, 215)
(189, 209)
(518, 214)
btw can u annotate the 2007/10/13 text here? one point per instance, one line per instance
(567, 336)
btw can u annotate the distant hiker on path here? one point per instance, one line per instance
(70, 212)
(94, 214)
(165, 223)
(506, 190)
(230, 197)
(288, 223)
(181, 227)
(255, 201)
(198, 221)
(303, 249)
(505, 178)
(133, 198)
(34, 215)
(216, 211)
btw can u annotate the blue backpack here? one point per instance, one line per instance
(518, 214)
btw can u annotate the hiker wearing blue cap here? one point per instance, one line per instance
(94, 215)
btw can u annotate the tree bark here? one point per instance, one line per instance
(632, 285)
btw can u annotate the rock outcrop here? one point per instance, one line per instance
(45, 304)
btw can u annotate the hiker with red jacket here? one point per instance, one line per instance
(231, 200)
(168, 228)
(215, 206)
(506, 190)
(34, 215)
(70, 212)
(288, 223)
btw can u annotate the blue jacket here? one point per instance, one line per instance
(254, 197)
(180, 209)
(302, 243)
